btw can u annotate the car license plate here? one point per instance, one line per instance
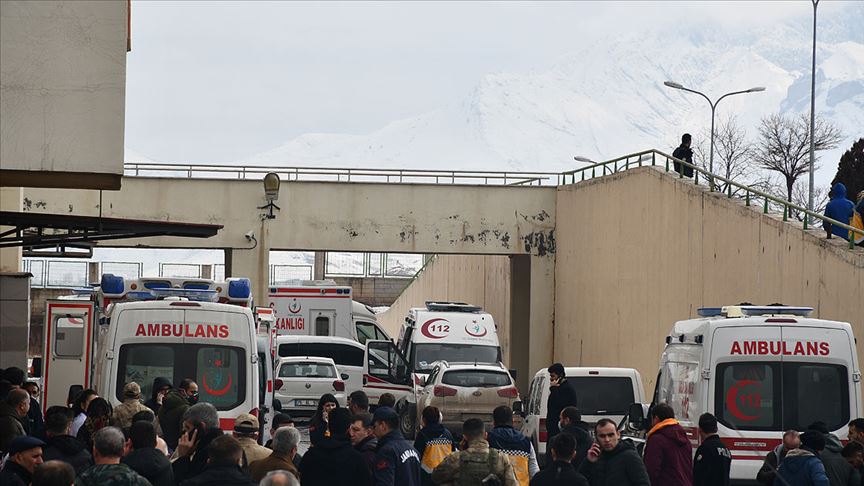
(306, 403)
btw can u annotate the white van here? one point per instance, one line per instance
(322, 308)
(346, 353)
(760, 371)
(601, 393)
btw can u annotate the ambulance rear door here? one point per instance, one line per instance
(67, 349)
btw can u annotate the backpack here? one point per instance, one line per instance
(475, 469)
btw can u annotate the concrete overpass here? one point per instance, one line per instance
(600, 268)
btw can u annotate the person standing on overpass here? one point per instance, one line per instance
(561, 396)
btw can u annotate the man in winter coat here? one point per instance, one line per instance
(246, 428)
(108, 446)
(853, 452)
(856, 430)
(768, 472)
(34, 417)
(223, 468)
(284, 445)
(333, 462)
(802, 466)
(161, 387)
(668, 454)
(560, 472)
(433, 443)
(13, 416)
(685, 153)
(25, 453)
(145, 458)
(838, 470)
(612, 462)
(396, 461)
(713, 460)
(570, 422)
(510, 442)
(839, 208)
(363, 438)
(61, 446)
(561, 396)
(200, 428)
(475, 461)
(131, 405)
(172, 408)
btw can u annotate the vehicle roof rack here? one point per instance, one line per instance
(452, 307)
(754, 310)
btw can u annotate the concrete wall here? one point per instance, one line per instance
(478, 280)
(10, 200)
(639, 250)
(63, 79)
(14, 319)
(375, 291)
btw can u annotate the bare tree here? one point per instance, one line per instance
(733, 154)
(784, 144)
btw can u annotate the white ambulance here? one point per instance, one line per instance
(760, 371)
(141, 329)
(322, 308)
(455, 332)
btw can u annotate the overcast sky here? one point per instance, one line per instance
(214, 82)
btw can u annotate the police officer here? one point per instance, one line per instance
(396, 460)
(713, 460)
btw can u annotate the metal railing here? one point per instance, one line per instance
(417, 176)
(649, 158)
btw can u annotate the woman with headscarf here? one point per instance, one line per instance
(318, 424)
(79, 409)
(99, 415)
(161, 387)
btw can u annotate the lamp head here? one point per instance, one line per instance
(756, 89)
(673, 84)
(271, 186)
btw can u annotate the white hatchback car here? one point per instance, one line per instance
(301, 381)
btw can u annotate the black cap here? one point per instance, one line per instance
(21, 444)
(384, 413)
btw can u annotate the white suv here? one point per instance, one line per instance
(300, 382)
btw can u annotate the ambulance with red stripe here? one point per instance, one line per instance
(141, 329)
(322, 308)
(760, 371)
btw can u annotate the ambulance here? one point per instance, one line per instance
(322, 308)
(455, 332)
(760, 371)
(141, 329)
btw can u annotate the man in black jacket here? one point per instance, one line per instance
(223, 467)
(685, 153)
(61, 445)
(200, 428)
(561, 396)
(611, 461)
(561, 471)
(571, 424)
(25, 453)
(333, 461)
(713, 460)
(397, 462)
(145, 458)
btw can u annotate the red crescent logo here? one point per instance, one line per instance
(294, 307)
(732, 401)
(435, 331)
(211, 391)
(476, 332)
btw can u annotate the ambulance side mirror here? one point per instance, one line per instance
(518, 410)
(636, 417)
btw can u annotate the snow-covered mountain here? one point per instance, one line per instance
(607, 99)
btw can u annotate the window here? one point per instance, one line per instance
(367, 331)
(476, 378)
(425, 354)
(802, 382)
(603, 395)
(386, 363)
(322, 326)
(307, 369)
(69, 336)
(342, 354)
(220, 371)
(677, 388)
(403, 264)
(748, 396)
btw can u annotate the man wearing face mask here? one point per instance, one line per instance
(570, 423)
(174, 405)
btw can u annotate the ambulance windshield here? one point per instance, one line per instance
(427, 353)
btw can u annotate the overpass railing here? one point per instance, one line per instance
(749, 194)
(405, 176)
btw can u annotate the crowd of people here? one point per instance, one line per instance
(171, 439)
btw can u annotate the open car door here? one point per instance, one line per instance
(385, 370)
(68, 349)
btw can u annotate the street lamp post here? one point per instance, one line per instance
(812, 113)
(713, 105)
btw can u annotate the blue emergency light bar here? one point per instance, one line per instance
(710, 311)
(754, 310)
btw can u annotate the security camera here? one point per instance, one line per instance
(250, 236)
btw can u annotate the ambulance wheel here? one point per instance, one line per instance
(408, 421)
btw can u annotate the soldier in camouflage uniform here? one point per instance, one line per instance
(471, 465)
(131, 405)
(108, 444)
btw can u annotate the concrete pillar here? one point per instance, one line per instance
(11, 199)
(532, 312)
(252, 263)
(14, 319)
(320, 262)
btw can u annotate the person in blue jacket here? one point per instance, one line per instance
(839, 209)
(802, 466)
(396, 461)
